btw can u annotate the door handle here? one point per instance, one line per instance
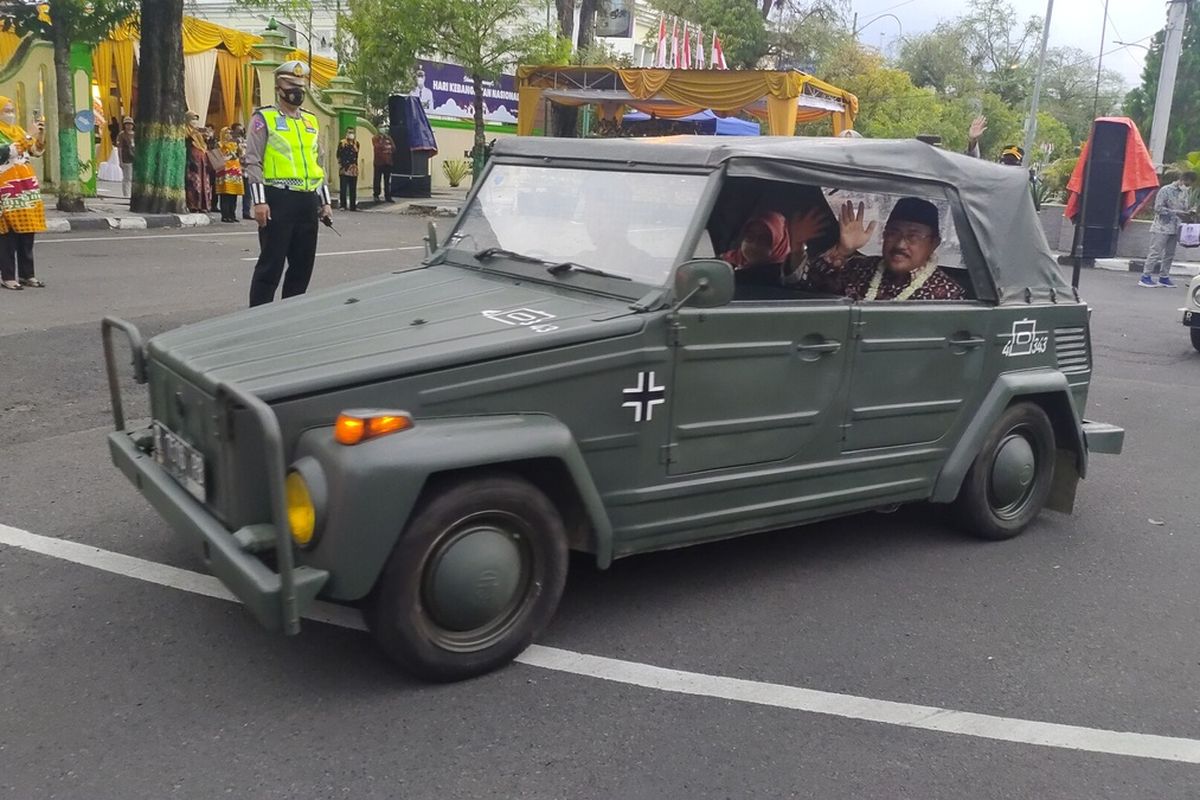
(968, 342)
(828, 346)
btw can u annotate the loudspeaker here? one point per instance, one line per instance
(1099, 222)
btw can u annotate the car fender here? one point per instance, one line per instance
(1050, 389)
(370, 489)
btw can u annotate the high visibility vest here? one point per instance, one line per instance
(290, 158)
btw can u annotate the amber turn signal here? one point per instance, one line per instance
(353, 427)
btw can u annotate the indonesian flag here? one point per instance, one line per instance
(687, 49)
(660, 53)
(718, 55)
(699, 48)
(674, 43)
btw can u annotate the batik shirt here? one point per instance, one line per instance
(855, 276)
(1172, 200)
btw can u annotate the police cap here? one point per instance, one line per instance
(294, 71)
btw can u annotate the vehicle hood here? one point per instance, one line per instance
(395, 324)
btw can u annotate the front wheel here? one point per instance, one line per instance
(475, 577)
(1195, 338)
(1007, 484)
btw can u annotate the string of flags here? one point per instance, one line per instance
(681, 54)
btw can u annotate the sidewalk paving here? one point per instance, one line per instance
(110, 211)
(443, 202)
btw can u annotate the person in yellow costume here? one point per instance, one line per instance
(229, 177)
(22, 213)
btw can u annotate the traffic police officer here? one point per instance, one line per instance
(287, 186)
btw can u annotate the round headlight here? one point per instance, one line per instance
(302, 514)
(1196, 295)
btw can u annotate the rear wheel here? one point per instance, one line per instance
(475, 577)
(1196, 338)
(1008, 483)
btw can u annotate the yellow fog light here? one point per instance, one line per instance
(302, 514)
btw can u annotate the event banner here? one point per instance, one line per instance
(446, 91)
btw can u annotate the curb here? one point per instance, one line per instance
(97, 222)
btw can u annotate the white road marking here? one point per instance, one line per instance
(163, 236)
(794, 698)
(357, 252)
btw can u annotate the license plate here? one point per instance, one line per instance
(1187, 318)
(180, 460)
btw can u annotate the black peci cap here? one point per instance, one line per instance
(914, 209)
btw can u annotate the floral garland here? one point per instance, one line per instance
(916, 281)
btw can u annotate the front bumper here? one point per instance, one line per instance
(1100, 437)
(276, 597)
(259, 588)
(1191, 318)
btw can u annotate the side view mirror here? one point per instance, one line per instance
(703, 283)
(431, 239)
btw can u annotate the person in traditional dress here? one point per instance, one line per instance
(907, 269)
(347, 156)
(229, 178)
(22, 213)
(198, 190)
(763, 249)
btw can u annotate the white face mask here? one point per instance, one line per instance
(8, 117)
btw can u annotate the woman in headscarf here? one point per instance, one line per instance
(197, 190)
(22, 213)
(229, 177)
(763, 250)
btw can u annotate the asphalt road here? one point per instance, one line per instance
(114, 687)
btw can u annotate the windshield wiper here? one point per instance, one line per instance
(571, 266)
(491, 252)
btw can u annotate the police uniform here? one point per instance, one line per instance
(283, 170)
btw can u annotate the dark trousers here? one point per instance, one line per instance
(290, 235)
(228, 205)
(246, 205)
(16, 256)
(349, 187)
(382, 172)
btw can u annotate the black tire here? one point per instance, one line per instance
(1195, 338)
(523, 568)
(999, 505)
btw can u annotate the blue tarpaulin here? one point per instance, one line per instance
(708, 122)
(420, 135)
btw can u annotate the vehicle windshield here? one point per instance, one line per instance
(630, 224)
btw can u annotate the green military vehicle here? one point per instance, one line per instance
(573, 369)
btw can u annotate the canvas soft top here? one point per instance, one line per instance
(996, 199)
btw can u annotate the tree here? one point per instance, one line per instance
(1069, 89)
(160, 162)
(805, 34)
(1002, 47)
(69, 22)
(941, 61)
(1184, 134)
(382, 48)
(742, 29)
(890, 106)
(484, 36)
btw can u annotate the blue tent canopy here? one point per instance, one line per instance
(709, 123)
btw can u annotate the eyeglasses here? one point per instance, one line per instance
(910, 235)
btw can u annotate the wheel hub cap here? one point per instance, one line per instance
(1013, 471)
(475, 579)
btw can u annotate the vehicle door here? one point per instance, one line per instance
(757, 382)
(916, 363)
